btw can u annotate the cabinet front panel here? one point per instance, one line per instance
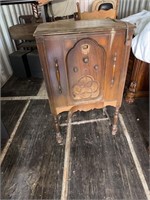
(85, 64)
(85, 67)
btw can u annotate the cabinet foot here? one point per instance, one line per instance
(114, 126)
(114, 129)
(59, 137)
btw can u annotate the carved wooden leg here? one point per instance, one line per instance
(114, 126)
(130, 96)
(59, 137)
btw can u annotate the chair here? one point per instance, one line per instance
(26, 19)
(100, 9)
(22, 34)
(29, 19)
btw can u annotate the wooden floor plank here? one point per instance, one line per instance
(10, 113)
(139, 113)
(21, 87)
(136, 117)
(101, 165)
(33, 166)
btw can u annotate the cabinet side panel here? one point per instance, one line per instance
(43, 60)
(115, 64)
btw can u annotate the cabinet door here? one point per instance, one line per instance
(55, 70)
(116, 67)
(85, 68)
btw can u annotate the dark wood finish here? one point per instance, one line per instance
(137, 82)
(91, 64)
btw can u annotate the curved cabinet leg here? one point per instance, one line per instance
(59, 137)
(114, 125)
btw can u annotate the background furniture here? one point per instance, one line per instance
(34, 64)
(22, 34)
(26, 19)
(19, 63)
(137, 82)
(34, 4)
(100, 9)
(84, 64)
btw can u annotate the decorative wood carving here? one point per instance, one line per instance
(86, 81)
(86, 88)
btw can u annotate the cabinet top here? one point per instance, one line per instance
(81, 26)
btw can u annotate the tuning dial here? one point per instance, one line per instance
(85, 59)
(96, 67)
(75, 69)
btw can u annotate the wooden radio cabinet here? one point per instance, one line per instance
(84, 64)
